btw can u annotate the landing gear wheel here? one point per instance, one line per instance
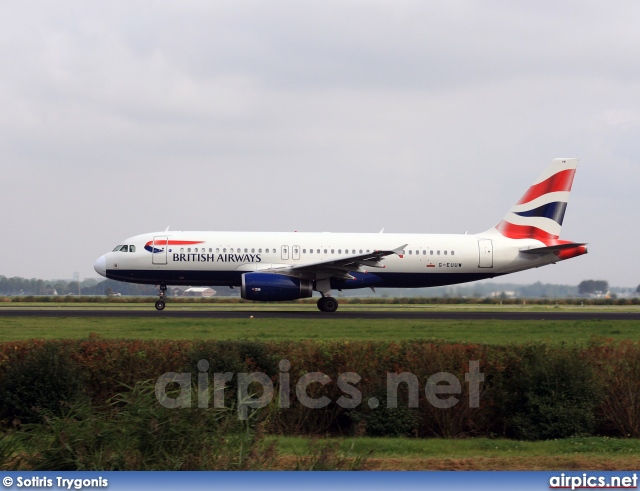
(328, 304)
(160, 305)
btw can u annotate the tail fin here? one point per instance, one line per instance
(540, 212)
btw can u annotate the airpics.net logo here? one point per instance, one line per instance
(441, 389)
(586, 481)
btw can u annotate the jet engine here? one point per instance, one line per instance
(274, 287)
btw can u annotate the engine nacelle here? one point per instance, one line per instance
(274, 287)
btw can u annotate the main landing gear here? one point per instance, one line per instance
(328, 304)
(160, 305)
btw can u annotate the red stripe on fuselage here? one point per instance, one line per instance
(174, 242)
(561, 181)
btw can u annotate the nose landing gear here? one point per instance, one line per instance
(160, 305)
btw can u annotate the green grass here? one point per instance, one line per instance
(468, 448)
(147, 304)
(472, 331)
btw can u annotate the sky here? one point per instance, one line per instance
(124, 117)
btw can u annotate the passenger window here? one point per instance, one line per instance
(217, 249)
(445, 253)
(319, 251)
(431, 253)
(452, 253)
(438, 253)
(132, 248)
(246, 250)
(259, 251)
(360, 251)
(253, 250)
(339, 251)
(189, 249)
(333, 251)
(410, 252)
(224, 250)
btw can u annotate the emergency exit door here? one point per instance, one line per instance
(485, 249)
(159, 250)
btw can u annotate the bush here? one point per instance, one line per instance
(134, 432)
(550, 393)
(618, 369)
(529, 392)
(45, 379)
(385, 421)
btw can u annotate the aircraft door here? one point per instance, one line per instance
(285, 252)
(159, 250)
(485, 248)
(295, 251)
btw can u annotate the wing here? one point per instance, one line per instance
(337, 267)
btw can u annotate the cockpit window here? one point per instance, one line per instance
(117, 248)
(124, 248)
(132, 248)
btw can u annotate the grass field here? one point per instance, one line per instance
(472, 331)
(378, 453)
(251, 307)
(472, 453)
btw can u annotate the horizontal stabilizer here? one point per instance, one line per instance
(553, 248)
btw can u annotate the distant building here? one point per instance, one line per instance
(198, 291)
(504, 294)
(597, 294)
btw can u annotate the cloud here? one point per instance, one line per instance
(124, 117)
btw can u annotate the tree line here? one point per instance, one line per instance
(23, 286)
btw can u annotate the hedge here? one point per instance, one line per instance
(530, 392)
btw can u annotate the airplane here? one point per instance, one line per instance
(283, 266)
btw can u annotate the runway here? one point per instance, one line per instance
(186, 313)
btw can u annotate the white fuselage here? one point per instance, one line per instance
(220, 258)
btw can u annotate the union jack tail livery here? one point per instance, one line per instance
(540, 212)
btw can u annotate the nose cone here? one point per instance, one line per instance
(101, 266)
